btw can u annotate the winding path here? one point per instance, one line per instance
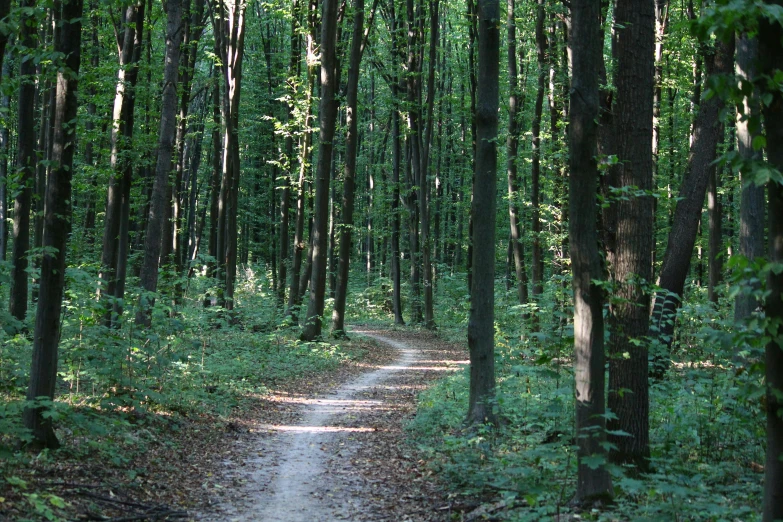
(307, 471)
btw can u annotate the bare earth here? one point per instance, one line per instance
(341, 455)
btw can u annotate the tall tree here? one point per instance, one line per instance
(771, 64)
(25, 163)
(328, 119)
(751, 229)
(43, 373)
(166, 141)
(114, 252)
(512, 146)
(349, 173)
(682, 237)
(481, 324)
(537, 260)
(631, 260)
(589, 362)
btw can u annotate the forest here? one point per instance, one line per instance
(206, 205)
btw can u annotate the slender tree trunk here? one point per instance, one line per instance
(349, 174)
(676, 260)
(328, 117)
(168, 128)
(43, 371)
(589, 362)
(512, 146)
(715, 212)
(25, 166)
(751, 228)
(117, 213)
(395, 196)
(481, 325)
(537, 263)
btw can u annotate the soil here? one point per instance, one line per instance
(337, 451)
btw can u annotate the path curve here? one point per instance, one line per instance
(305, 472)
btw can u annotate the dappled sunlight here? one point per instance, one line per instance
(317, 429)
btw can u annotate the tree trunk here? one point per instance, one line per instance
(631, 261)
(676, 260)
(481, 325)
(25, 165)
(751, 228)
(117, 213)
(535, 171)
(512, 146)
(349, 174)
(714, 210)
(395, 196)
(43, 371)
(327, 117)
(589, 362)
(166, 138)
(770, 63)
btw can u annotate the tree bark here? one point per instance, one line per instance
(535, 171)
(715, 266)
(115, 231)
(349, 173)
(512, 146)
(327, 117)
(631, 261)
(771, 63)
(25, 165)
(481, 325)
(589, 362)
(43, 371)
(166, 138)
(676, 260)
(751, 228)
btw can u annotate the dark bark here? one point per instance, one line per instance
(676, 260)
(537, 263)
(327, 117)
(395, 197)
(715, 212)
(770, 63)
(166, 141)
(751, 227)
(115, 231)
(43, 371)
(631, 261)
(481, 325)
(512, 146)
(589, 362)
(25, 166)
(349, 173)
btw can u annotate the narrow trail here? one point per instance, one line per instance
(343, 458)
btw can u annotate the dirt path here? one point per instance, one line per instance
(342, 456)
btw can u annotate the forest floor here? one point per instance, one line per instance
(333, 447)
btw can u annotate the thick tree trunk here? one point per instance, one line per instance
(512, 146)
(589, 362)
(167, 134)
(631, 261)
(481, 325)
(751, 228)
(349, 174)
(676, 260)
(43, 371)
(25, 166)
(328, 118)
(770, 63)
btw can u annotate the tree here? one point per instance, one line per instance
(43, 373)
(25, 165)
(166, 141)
(481, 324)
(631, 258)
(685, 224)
(589, 361)
(328, 120)
(771, 64)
